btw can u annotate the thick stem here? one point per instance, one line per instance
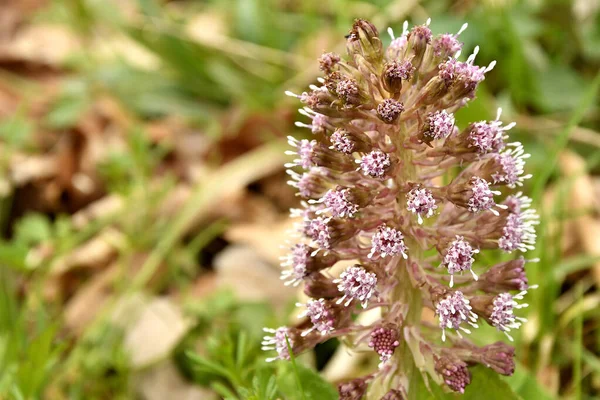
(405, 373)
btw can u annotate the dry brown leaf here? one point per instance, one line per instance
(42, 43)
(267, 240)
(153, 327)
(582, 199)
(94, 253)
(242, 269)
(81, 310)
(163, 381)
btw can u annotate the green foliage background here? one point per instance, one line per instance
(548, 54)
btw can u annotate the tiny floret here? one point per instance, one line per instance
(321, 316)
(459, 258)
(502, 316)
(439, 125)
(389, 110)
(356, 283)
(453, 311)
(420, 201)
(278, 343)
(295, 264)
(388, 241)
(375, 164)
(340, 203)
(482, 197)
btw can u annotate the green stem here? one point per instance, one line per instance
(406, 373)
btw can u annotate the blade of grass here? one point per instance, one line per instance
(230, 178)
(563, 138)
(295, 367)
(577, 345)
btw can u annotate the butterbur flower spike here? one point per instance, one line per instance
(384, 129)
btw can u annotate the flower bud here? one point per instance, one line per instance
(435, 89)
(504, 277)
(395, 73)
(384, 340)
(328, 61)
(498, 356)
(454, 372)
(364, 40)
(418, 40)
(393, 394)
(352, 390)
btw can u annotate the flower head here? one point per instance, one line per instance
(518, 232)
(357, 284)
(375, 164)
(439, 125)
(459, 257)
(328, 61)
(446, 45)
(321, 315)
(453, 311)
(305, 150)
(420, 201)
(502, 315)
(388, 241)
(389, 110)
(342, 141)
(482, 197)
(278, 342)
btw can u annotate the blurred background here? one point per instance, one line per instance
(143, 199)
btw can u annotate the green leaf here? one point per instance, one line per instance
(33, 229)
(485, 381)
(314, 386)
(560, 88)
(70, 106)
(526, 386)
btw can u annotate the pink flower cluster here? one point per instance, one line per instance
(383, 134)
